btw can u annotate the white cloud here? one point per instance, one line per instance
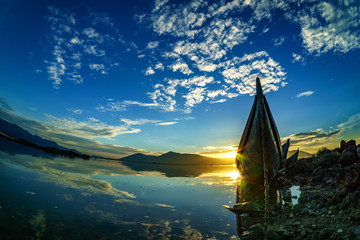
(166, 123)
(352, 122)
(200, 38)
(279, 41)
(97, 67)
(159, 66)
(218, 101)
(331, 26)
(152, 45)
(90, 33)
(62, 133)
(75, 111)
(101, 17)
(77, 40)
(313, 140)
(195, 96)
(140, 121)
(298, 58)
(181, 66)
(240, 73)
(149, 71)
(304, 94)
(119, 106)
(239, 78)
(200, 81)
(88, 129)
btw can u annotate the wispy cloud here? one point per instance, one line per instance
(149, 71)
(330, 26)
(140, 121)
(76, 41)
(166, 123)
(180, 66)
(313, 140)
(152, 45)
(5, 105)
(279, 41)
(305, 94)
(88, 129)
(118, 106)
(75, 111)
(298, 58)
(76, 134)
(199, 40)
(143, 121)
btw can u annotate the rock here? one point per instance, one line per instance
(255, 232)
(348, 157)
(244, 207)
(273, 235)
(351, 143)
(339, 150)
(343, 145)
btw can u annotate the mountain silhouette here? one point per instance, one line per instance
(174, 158)
(16, 140)
(17, 132)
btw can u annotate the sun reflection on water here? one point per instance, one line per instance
(234, 175)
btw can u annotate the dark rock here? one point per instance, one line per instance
(339, 150)
(351, 143)
(343, 145)
(273, 235)
(348, 157)
(244, 207)
(256, 232)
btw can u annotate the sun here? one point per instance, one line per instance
(231, 154)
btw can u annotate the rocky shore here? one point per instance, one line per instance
(329, 203)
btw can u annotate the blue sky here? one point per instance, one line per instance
(118, 77)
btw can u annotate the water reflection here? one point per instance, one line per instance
(254, 206)
(76, 199)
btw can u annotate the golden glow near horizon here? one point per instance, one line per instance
(224, 152)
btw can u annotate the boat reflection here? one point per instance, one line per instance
(253, 205)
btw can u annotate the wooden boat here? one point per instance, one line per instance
(260, 154)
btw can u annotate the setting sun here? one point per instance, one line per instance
(234, 174)
(231, 154)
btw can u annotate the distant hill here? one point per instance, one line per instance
(16, 139)
(174, 158)
(20, 133)
(177, 164)
(302, 154)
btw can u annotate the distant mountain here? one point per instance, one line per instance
(20, 133)
(174, 158)
(15, 139)
(302, 154)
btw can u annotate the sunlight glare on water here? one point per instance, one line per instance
(235, 175)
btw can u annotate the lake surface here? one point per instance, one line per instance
(46, 197)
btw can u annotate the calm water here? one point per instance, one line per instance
(60, 198)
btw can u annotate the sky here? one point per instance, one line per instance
(114, 78)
